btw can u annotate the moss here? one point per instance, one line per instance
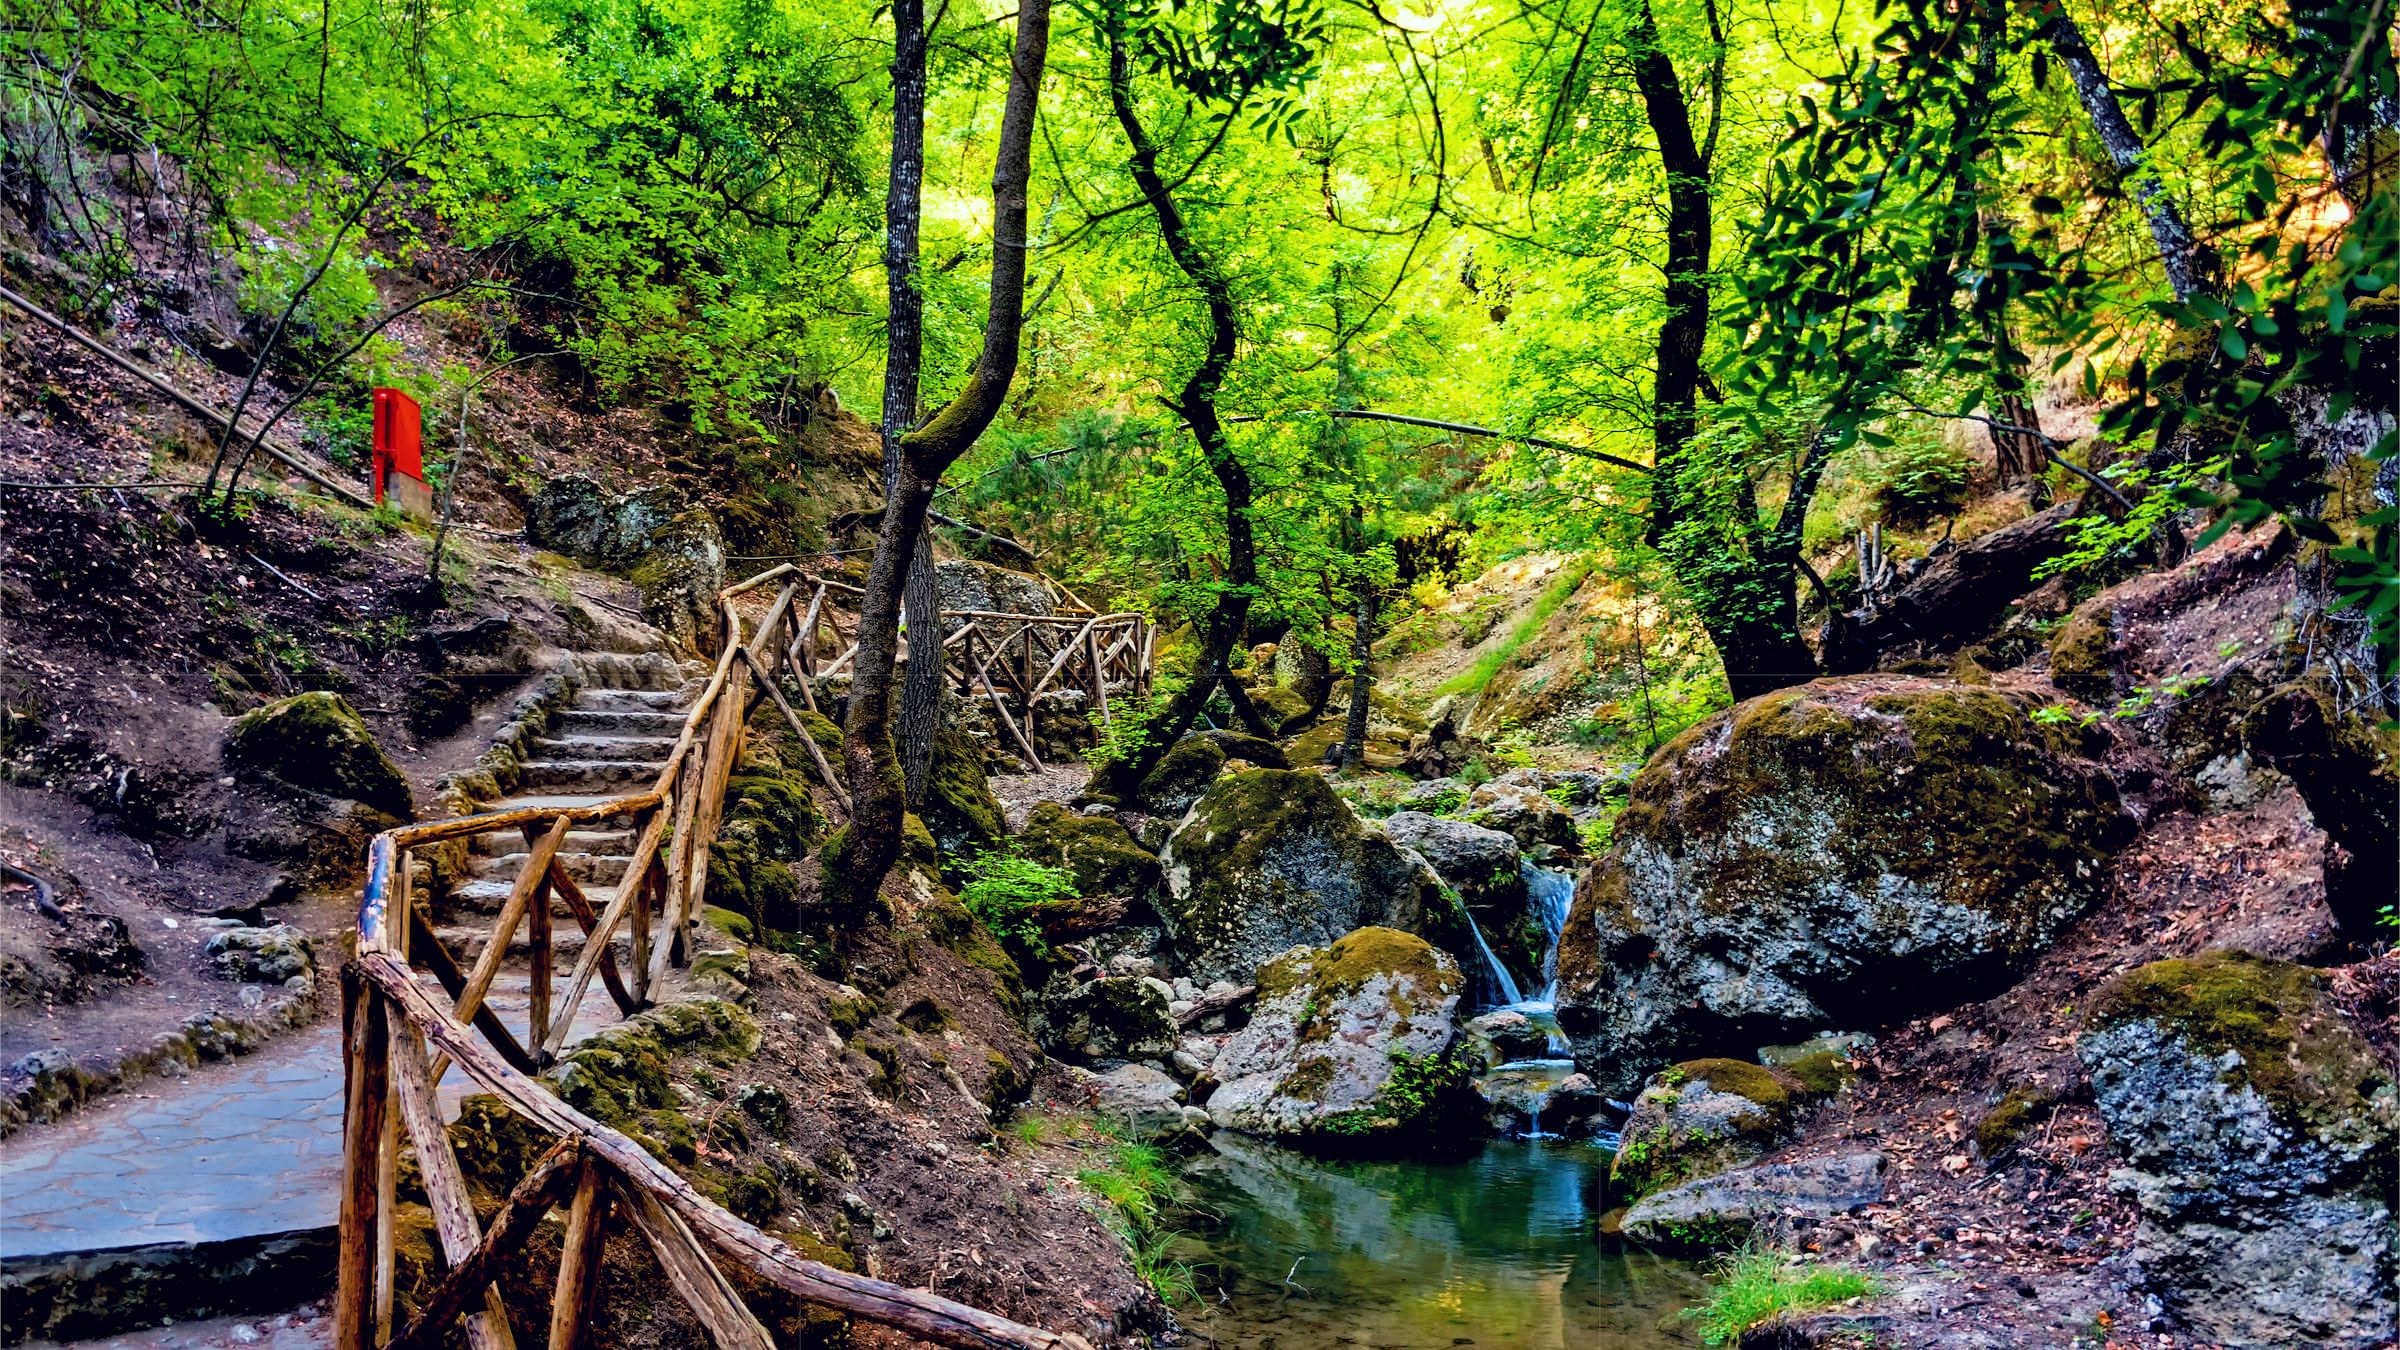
(821, 729)
(318, 743)
(1825, 1073)
(2079, 656)
(1776, 1091)
(753, 1196)
(959, 811)
(1307, 1082)
(668, 1133)
(1331, 973)
(494, 1145)
(1185, 771)
(849, 1016)
(1657, 1152)
(2288, 1040)
(890, 1078)
(1283, 708)
(2006, 1123)
(924, 1017)
(1100, 851)
(812, 1246)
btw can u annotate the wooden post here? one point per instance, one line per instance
(445, 1188)
(645, 854)
(535, 878)
(537, 974)
(578, 1291)
(1091, 647)
(816, 753)
(651, 885)
(694, 1277)
(365, 1098)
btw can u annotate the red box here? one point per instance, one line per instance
(399, 438)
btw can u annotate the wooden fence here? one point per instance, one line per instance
(399, 1039)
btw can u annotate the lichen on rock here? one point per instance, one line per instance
(1706, 1116)
(1099, 850)
(317, 742)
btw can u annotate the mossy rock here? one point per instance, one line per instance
(1107, 1019)
(318, 743)
(960, 810)
(1824, 1073)
(770, 823)
(1273, 858)
(1860, 847)
(1100, 851)
(1284, 709)
(2080, 659)
(1706, 1116)
(1181, 775)
(2269, 1026)
(619, 1075)
(821, 729)
(2020, 1110)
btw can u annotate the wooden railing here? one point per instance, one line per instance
(399, 1039)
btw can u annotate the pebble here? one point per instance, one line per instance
(245, 1333)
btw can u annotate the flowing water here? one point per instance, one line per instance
(1500, 1250)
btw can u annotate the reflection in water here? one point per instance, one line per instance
(1500, 1250)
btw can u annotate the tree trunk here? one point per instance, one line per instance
(1753, 619)
(2176, 248)
(1362, 680)
(921, 690)
(1197, 405)
(861, 855)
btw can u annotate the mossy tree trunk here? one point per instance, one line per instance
(862, 854)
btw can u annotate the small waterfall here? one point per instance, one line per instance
(1548, 894)
(1503, 985)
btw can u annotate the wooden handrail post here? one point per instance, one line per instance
(366, 1097)
(572, 1305)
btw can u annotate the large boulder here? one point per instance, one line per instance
(1148, 1103)
(2263, 1136)
(1099, 850)
(1703, 1117)
(1113, 1018)
(1840, 853)
(574, 515)
(1181, 775)
(980, 586)
(1271, 859)
(680, 575)
(318, 743)
(1484, 868)
(1348, 1047)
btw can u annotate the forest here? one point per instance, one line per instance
(1264, 673)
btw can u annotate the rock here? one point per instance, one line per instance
(2261, 1133)
(1260, 754)
(1481, 864)
(959, 808)
(1100, 851)
(965, 584)
(317, 742)
(1273, 858)
(1525, 813)
(1435, 796)
(1723, 1209)
(576, 516)
(1349, 1046)
(1703, 1117)
(1847, 851)
(1181, 775)
(2345, 769)
(1149, 1102)
(1524, 1102)
(1846, 1044)
(1285, 710)
(1111, 1018)
(264, 955)
(679, 575)
(1501, 1037)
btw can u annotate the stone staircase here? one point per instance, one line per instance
(217, 1194)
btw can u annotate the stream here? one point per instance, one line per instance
(1500, 1250)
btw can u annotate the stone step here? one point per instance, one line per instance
(591, 775)
(603, 843)
(594, 722)
(485, 895)
(635, 700)
(585, 868)
(566, 946)
(601, 749)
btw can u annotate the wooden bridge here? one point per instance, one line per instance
(399, 1038)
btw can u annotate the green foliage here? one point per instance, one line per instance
(1004, 890)
(1759, 1284)
(2099, 539)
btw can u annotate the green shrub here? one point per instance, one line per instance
(1758, 1284)
(1003, 890)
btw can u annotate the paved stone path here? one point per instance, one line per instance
(239, 1149)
